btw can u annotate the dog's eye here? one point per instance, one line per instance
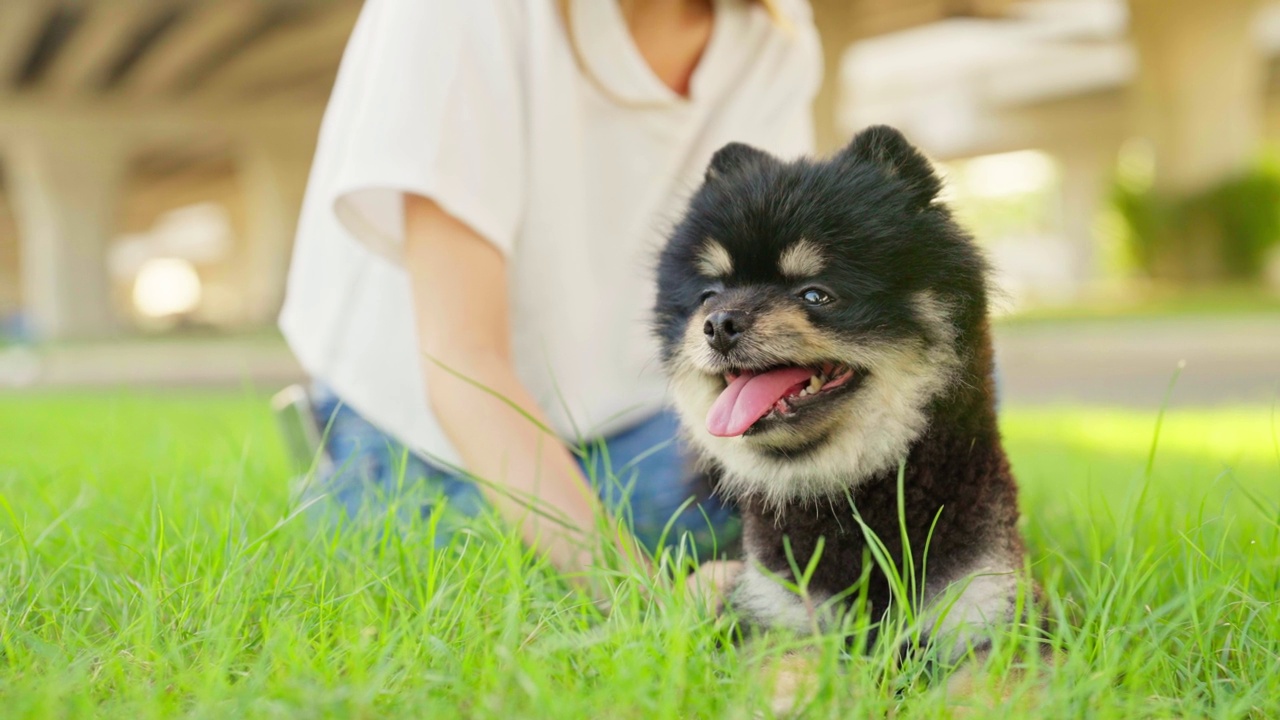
(814, 296)
(707, 295)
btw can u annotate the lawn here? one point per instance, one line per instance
(150, 567)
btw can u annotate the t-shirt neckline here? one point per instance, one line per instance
(606, 46)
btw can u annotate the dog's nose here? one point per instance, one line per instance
(724, 327)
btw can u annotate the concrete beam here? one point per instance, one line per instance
(20, 23)
(968, 129)
(844, 22)
(207, 29)
(101, 38)
(157, 122)
(310, 47)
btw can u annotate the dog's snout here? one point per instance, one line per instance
(724, 327)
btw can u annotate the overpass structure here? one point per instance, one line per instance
(1193, 82)
(114, 112)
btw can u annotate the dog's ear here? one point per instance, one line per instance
(734, 157)
(891, 152)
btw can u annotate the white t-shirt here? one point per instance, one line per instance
(574, 175)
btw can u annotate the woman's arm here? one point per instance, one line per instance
(459, 287)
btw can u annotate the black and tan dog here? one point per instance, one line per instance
(823, 323)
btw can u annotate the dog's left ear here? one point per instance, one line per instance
(895, 156)
(733, 157)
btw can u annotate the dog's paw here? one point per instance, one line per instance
(712, 581)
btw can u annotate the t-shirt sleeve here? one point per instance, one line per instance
(428, 102)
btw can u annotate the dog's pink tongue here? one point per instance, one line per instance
(749, 397)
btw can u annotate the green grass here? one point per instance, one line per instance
(149, 568)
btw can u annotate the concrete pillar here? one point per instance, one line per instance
(273, 176)
(65, 186)
(1198, 101)
(10, 275)
(1199, 94)
(1086, 173)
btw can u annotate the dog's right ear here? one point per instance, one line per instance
(895, 156)
(734, 157)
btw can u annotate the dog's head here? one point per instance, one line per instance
(810, 313)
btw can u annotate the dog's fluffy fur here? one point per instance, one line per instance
(901, 300)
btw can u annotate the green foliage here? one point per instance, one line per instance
(1247, 209)
(1223, 233)
(151, 567)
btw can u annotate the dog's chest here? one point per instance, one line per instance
(779, 588)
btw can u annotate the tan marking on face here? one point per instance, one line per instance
(714, 261)
(883, 418)
(777, 336)
(803, 259)
(786, 336)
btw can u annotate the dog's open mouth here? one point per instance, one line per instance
(750, 396)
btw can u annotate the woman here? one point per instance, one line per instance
(472, 267)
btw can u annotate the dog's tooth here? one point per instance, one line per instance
(815, 383)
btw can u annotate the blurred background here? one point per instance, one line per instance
(1114, 156)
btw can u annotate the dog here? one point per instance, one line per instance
(823, 327)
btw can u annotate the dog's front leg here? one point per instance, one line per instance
(964, 616)
(966, 609)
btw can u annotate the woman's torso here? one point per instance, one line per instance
(610, 156)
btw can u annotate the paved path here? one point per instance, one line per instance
(262, 363)
(1130, 362)
(1120, 362)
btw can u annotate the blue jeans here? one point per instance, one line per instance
(640, 474)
